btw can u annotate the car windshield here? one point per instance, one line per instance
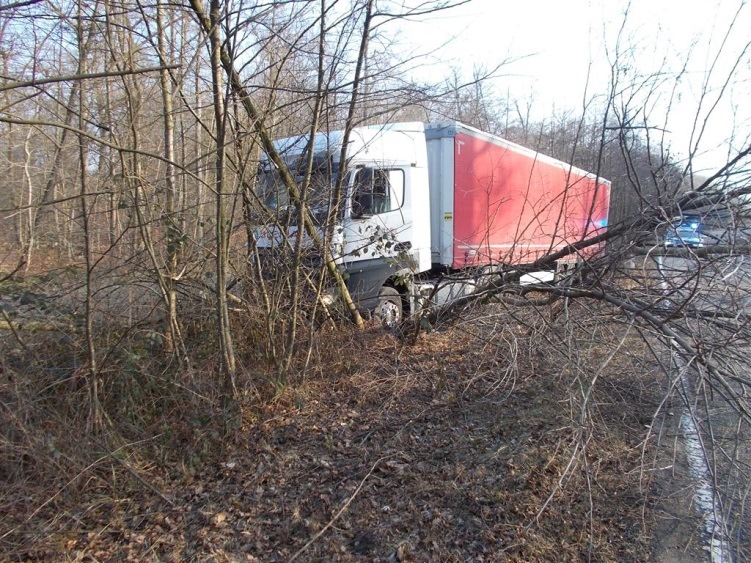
(685, 230)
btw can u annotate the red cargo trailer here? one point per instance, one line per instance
(493, 201)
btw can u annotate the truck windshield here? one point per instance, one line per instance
(274, 194)
(272, 191)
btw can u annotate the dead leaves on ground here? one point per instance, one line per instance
(428, 466)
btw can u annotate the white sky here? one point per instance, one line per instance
(564, 41)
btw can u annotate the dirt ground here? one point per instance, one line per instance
(471, 445)
(498, 438)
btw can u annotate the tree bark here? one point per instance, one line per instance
(221, 227)
(92, 374)
(173, 337)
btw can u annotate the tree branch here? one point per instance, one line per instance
(88, 76)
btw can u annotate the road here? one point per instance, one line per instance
(711, 299)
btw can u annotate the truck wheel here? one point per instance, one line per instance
(389, 309)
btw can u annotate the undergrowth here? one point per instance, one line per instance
(490, 436)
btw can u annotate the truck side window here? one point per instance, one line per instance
(377, 191)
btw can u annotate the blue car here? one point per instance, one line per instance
(686, 231)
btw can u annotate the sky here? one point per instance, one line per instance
(684, 50)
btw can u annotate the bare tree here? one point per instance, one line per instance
(137, 148)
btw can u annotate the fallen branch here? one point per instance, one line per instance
(133, 472)
(31, 326)
(682, 251)
(20, 265)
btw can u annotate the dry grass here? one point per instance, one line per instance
(480, 442)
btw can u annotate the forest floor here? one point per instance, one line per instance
(476, 443)
(413, 460)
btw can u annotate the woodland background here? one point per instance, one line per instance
(164, 397)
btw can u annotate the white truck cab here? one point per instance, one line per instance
(382, 230)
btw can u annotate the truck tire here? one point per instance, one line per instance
(389, 310)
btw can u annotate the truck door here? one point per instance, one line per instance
(378, 219)
(377, 228)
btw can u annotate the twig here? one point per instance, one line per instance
(95, 463)
(132, 471)
(341, 510)
(20, 265)
(15, 333)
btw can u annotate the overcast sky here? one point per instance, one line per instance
(564, 47)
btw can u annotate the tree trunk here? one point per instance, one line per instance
(173, 338)
(221, 227)
(267, 143)
(95, 415)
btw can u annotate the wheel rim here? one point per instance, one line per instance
(390, 313)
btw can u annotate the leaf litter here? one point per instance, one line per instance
(467, 446)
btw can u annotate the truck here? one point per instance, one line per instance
(420, 203)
